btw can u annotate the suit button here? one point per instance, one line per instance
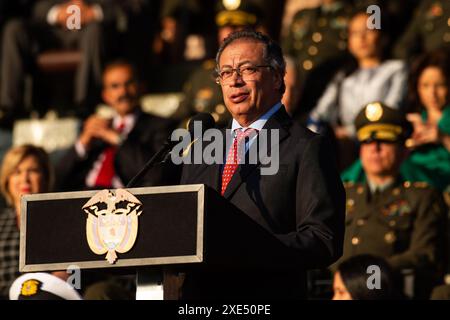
(312, 50)
(355, 241)
(392, 223)
(308, 65)
(389, 237)
(317, 37)
(360, 222)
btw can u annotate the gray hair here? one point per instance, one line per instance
(273, 55)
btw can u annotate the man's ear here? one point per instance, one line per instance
(278, 81)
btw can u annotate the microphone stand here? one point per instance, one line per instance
(150, 163)
(149, 282)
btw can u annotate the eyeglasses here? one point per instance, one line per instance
(246, 72)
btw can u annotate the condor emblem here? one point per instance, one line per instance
(112, 222)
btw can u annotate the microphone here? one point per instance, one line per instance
(206, 121)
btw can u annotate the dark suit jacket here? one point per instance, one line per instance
(144, 140)
(303, 206)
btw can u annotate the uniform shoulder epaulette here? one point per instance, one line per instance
(209, 64)
(418, 184)
(421, 184)
(351, 184)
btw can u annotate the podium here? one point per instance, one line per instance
(189, 229)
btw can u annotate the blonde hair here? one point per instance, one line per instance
(14, 157)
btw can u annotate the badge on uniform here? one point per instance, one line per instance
(397, 208)
(30, 287)
(350, 206)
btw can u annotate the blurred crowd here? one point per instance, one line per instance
(372, 75)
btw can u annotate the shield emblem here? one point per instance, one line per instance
(112, 222)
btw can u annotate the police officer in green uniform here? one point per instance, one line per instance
(403, 222)
(428, 30)
(317, 40)
(202, 93)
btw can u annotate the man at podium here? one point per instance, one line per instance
(301, 205)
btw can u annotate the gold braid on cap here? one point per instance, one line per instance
(382, 131)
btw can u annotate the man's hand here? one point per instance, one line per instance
(96, 127)
(109, 136)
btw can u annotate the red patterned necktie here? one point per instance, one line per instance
(107, 171)
(233, 158)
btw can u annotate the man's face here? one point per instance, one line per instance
(120, 89)
(380, 158)
(247, 97)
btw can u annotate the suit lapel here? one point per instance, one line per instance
(279, 121)
(211, 174)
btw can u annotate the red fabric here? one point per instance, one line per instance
(107, 171)
(233, 158)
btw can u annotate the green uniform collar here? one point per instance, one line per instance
(376, 187)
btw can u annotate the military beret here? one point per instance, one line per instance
(237, 13)
(42, 286)
(377, 121)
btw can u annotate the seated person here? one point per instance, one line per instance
(368, 77)
(371, 78)
(316, 38)
(47, 29)
(427, 30)
(202, 93)
(352, 277)
(25, 170)
(111, 151)
(430, 80)
(429, 160)
(402, 222)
